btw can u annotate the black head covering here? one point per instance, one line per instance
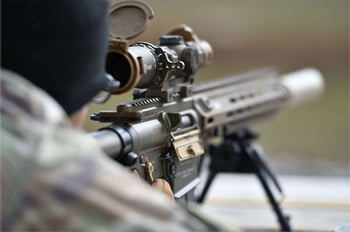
(59, 45)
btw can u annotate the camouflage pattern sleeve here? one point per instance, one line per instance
(54, 178)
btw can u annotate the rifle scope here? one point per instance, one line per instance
(143, 65)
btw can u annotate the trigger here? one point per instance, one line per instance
(149, 172)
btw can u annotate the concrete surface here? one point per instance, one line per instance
(313, 203)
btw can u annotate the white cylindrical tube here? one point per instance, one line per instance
(303, 85)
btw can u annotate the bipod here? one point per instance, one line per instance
(237, 153)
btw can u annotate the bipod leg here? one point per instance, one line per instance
(263, 176)
(208, 183)
(237, 153)
(252, 161)
(223, 159)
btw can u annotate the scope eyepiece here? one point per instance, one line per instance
(128, 66)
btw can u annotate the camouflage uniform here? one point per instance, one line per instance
(55, 178)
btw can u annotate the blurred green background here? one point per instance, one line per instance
(309, 140)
